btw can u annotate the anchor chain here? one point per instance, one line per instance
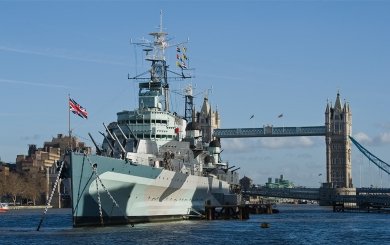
(98, 194)
(94, 169)
(108, 193)
(51, 195)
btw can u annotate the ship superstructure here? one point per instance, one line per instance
(153, 164)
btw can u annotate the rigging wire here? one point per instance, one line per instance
(51, 194)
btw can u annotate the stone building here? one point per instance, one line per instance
(37, 159)
(208, 120)
(64, 142)
(45, 160)
(4, 169)
(338, 123)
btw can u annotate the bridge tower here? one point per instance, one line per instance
(338, 123)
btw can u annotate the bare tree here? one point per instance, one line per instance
(14, 186)
(35, 186)
(2, 186)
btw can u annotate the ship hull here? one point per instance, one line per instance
(120, 192)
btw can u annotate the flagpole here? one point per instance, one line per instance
(70, 134)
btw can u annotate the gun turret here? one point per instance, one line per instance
(115, 138)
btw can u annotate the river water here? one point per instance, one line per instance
(295, 224)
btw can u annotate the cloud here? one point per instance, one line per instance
(293, 142)
(33, 83)
(32, 137)
(362, 138)
(381, 139)
(238, 145)
(241, 145)
(62, 56)
(385, 138)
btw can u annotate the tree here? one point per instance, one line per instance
(35, 185)
(14, 186)
(2, 186)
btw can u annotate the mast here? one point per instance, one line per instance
(189, 103)
(156, 85)
(165, 83)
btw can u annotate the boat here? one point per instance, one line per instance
(302, 201)
(3, 207)
(153, 164)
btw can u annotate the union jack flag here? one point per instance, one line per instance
(77, 109)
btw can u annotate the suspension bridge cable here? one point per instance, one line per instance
(374, 159)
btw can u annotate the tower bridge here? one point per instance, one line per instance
(337, 132)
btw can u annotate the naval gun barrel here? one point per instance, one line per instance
(132, 133)
(119, 143)
(121, 131)
(109, 144)
(108, 131)
(235, 169)
(98, 150)
(231, 167)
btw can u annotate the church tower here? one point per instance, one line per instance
(338, 123)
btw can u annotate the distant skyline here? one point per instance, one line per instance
(253, 58)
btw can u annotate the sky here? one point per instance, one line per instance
(261, 58)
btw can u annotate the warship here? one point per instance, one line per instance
(153, 165)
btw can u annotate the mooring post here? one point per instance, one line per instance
(269, 209)
(210, 212)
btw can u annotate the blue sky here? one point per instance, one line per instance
(260, 58)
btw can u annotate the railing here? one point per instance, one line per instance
(270, 131)
(294, 193)
(379, 196)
